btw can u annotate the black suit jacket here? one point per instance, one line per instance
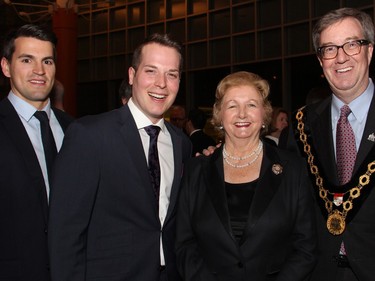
(23, 201)
(279, 240)
(200, 141)
(360, 224)
(104, 222)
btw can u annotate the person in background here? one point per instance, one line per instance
(177, 116)
(345, 197)
(57, 95)
(278, 123)
(117, 178)
(125, 92)
(195, 124)
(245, 212)
(28, 60)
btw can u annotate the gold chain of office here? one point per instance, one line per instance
(336, 219)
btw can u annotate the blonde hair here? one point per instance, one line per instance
(242, 78)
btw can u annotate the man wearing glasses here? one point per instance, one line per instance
(327, 132)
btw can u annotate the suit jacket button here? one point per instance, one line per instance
(45, 230)
(240, 264)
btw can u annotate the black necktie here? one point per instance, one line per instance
(153, 158)
(49, 144)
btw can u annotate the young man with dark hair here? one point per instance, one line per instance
(117, 179)
(25, 164)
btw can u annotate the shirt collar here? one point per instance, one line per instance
(196, 130)
(141, 120)
(24, 109)
(359, 106)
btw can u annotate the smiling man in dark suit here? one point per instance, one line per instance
(344, 42)
(28, 60)
(108, 221)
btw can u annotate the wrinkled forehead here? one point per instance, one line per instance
(342, 31)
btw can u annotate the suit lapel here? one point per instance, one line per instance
(266, 188)
(178, 168)
(267, 185)
(134, 146)
(63, 119)
(324, 146)
(320, 120)
(214, 176)
(366, 143)
(17, 132)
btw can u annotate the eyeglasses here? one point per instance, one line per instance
(350, 48)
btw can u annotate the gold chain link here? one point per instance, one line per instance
(336, 219)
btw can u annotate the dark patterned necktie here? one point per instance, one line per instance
(346, 151)
(153, 158)
(48, 140)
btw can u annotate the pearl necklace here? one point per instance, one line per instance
(256, 152)
(225, 153)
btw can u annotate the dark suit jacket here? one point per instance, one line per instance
(360, 224)
(23, 201)
(279, 240)
(200, 141)
(104, 223)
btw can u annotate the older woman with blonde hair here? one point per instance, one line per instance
(246, 211)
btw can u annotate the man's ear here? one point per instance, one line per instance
(370, 49)
(320, 61)
(5, 67)
(131, 74)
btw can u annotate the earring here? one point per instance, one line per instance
(221, 127)
(263, 126)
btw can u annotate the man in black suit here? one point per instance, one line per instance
(28, 60)
(344, 42)
(106, 220)
(177, 116)
(194, 128)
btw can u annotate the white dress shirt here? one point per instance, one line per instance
(32, 125)
(357, 118)
(166, 160)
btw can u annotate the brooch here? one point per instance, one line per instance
(277, 169)
(371, 137)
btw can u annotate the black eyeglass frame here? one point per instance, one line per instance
(361, 43)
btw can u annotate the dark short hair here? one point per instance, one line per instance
(198, 118)
(161, 39)
(125, 90)
(39, 32)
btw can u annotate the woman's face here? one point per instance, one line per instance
(281, 121)
(242, 113)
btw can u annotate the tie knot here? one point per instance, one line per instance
(345, 111)
(41, 116)
(152, 131)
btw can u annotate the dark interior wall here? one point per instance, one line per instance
(91, 98)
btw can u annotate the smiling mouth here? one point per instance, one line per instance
(343, 70)
(39, 82)
(156, 96)
(242, 124)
